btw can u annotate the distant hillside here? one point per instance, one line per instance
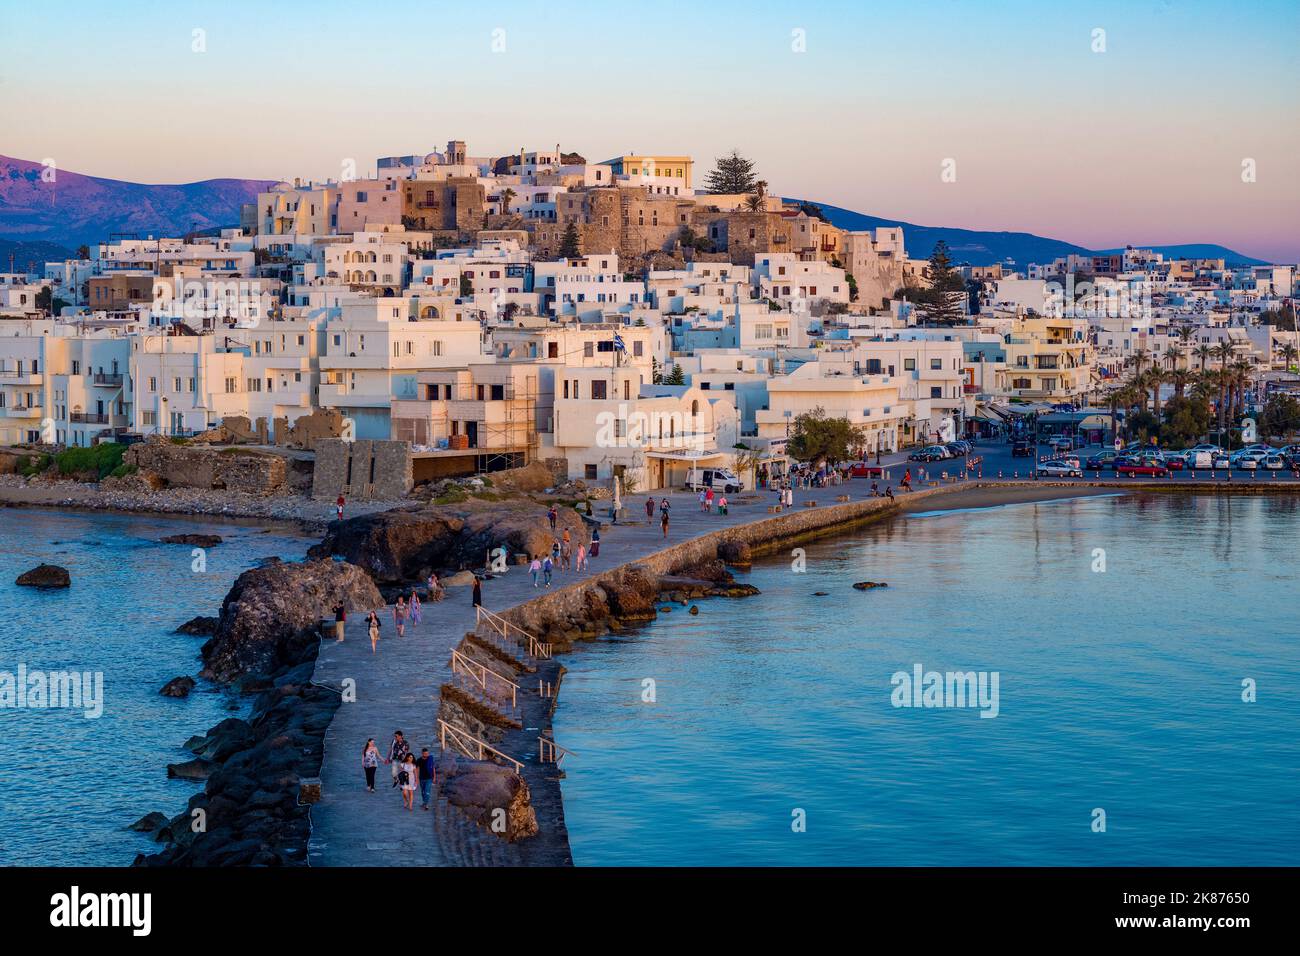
(76, 209)
(985, 248)
(31, 256)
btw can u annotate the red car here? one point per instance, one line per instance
(861, 469)
(1143, 468)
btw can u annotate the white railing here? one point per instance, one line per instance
(470, 745)
(548, 751)
(505, 630)
(479, 674)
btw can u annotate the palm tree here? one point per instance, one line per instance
(1154, 378)
(1203, 352)
(1181, 378)
(1139, 357)
(1289, 354)
(1223, 351)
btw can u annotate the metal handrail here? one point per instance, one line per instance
(460, 738)
(535, 647)
(549, 748)
(462, 664)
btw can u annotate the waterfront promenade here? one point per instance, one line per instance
(397, 687)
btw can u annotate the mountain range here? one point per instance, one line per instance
(44, 220)
(979, 248)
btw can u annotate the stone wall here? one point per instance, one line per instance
(362, 470)
(309, 429)
(207, 468)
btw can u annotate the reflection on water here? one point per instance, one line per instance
(1119, 690)
(69, 785)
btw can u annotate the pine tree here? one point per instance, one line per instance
(731, 175)
(676, 376)
(570, 242)
(941, 302)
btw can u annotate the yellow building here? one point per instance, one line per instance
(675, 167)
(1048, 359)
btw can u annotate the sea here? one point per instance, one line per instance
(1139, 663)
(72, 780)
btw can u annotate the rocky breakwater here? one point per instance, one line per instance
(158, 463)
(260, 770)
(402, 546)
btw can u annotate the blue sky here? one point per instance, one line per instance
(1142, 142)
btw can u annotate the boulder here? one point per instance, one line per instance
(461, 579)
(735, 552)
(190, 770)
(197, 540)
(394, 546)
(178, 687)
(631, 596)
(199, 627)
(272, 615)
(480, 789)
(869, 585)
(150, 822)
(45, 577)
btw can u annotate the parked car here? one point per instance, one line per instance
(1059, 469)
(1246, 460)
(864, 469)
(957, 449)
(1273, 462)
(1061, 443)
(719, 479)
(1220, 460)
(1103, 459)
(1199, 458)
(1021, 449)
(930, 453)
(1132, 467)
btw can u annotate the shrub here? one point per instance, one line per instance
(98, 460)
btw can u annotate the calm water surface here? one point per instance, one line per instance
(1119, 690)
(68, 785)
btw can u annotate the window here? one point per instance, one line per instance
(589, 472)
(638, 348)
(231, 386)
(153, 384)
(176, 385)
(936, 363)
(599, 389)
(588, 349)
(936, 391)
(909, 365)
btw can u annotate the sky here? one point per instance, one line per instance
(1176, 123)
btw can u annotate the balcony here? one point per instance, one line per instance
(88, 418)
(11, 376)
(107, 379)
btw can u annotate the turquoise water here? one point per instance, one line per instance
(1118, 690)
(68, 784)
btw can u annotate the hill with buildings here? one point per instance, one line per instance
(69, 209)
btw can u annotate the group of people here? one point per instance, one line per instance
(563, 556)
(409, 772)
(404, 611)
(707, 499)
(664, 508)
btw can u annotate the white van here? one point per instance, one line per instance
(719, 479)
(1200, 459)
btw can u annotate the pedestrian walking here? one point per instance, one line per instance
(372, 625)
(907, 480)
(340, 620)
(566, 556)
(477, 597)
(407, 777)
(708, 502)
(547, 567)
(595, 542)
(399, 616)
(701, 500)
(535, 569)
(582, 557)
(398, 751)
(428, 775)
(338, 507)
(722, 506)
(664, 506)
(435, 588)
(416, 607)
(555, 553)
(663, 522)
(551, 515)
(649, 509)
(370, 762)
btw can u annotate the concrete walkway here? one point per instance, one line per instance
(397, 687)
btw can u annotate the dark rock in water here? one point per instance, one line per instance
(268, 561)
(273, 614)
(820, 593)
(197, 540)
(150, 822)
(631, 597)
(190, 770)
(45, 577)
(199, 627)
(695, 609)
(868, 585)
(666, 609)
(178, 687)
(735, 552)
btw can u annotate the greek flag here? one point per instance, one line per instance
(619, 344)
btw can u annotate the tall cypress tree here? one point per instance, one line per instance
(570, 242)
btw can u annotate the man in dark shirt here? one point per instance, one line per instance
(428, 776)
(340, 618)
(397, 752)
